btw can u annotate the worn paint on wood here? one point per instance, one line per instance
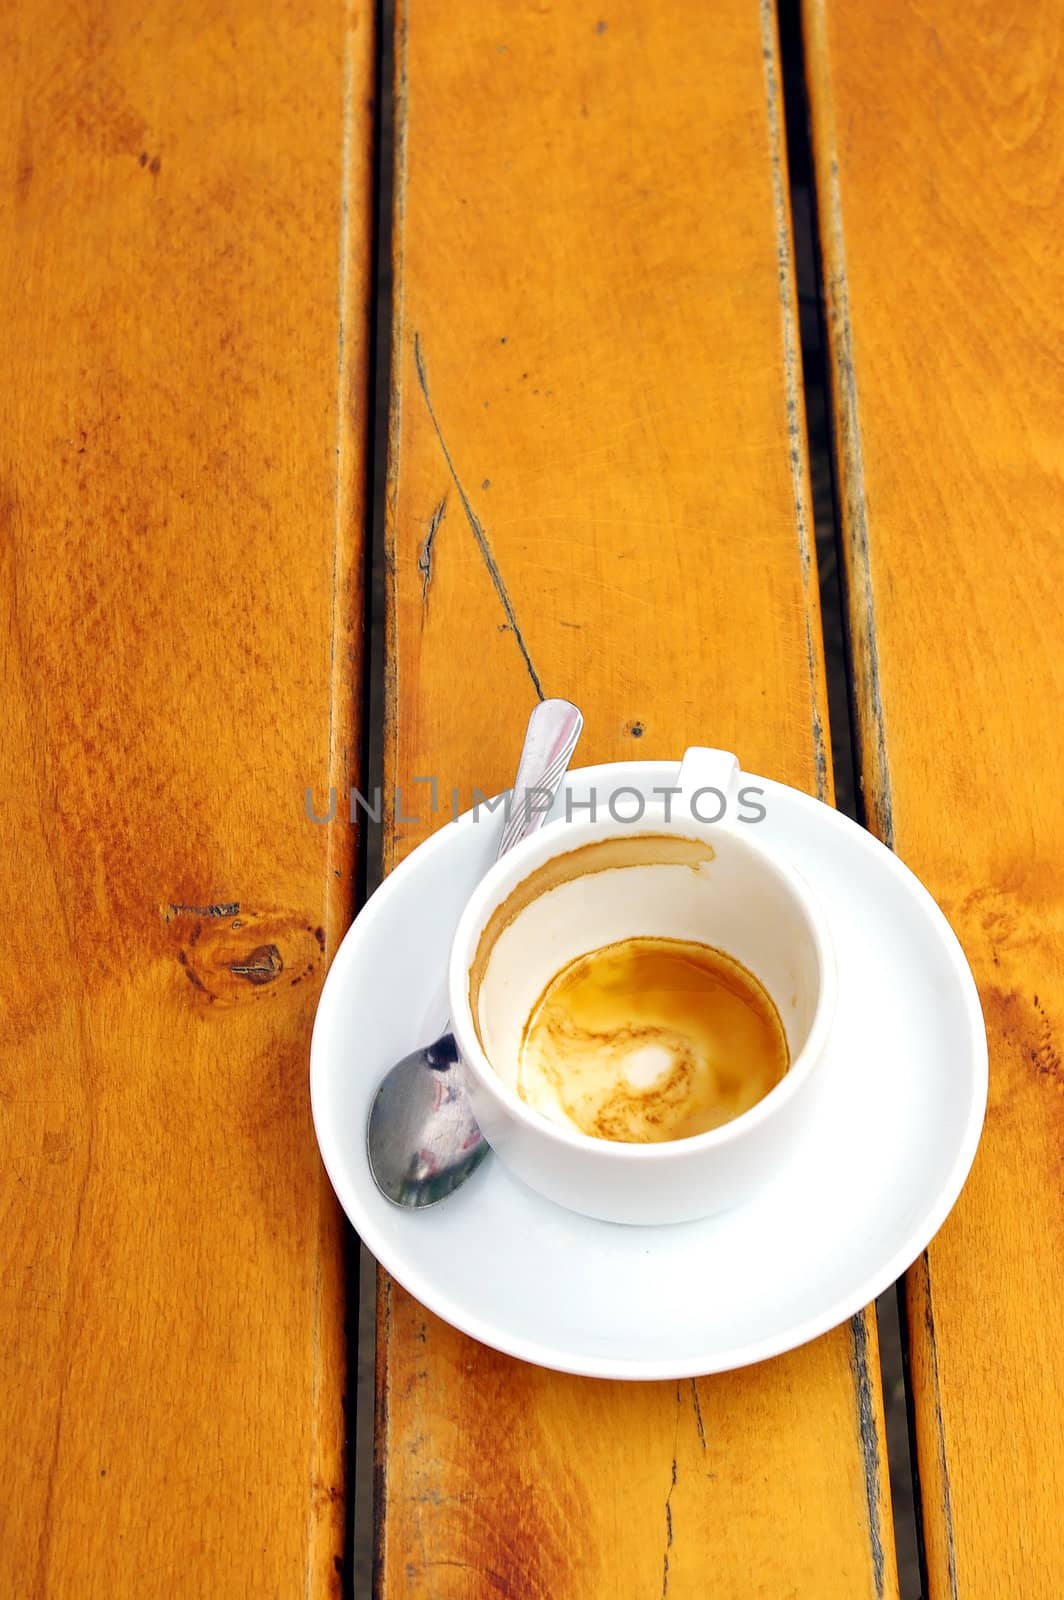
(183, 259)
(598, 489)
(939, 219)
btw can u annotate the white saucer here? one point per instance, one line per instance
(904, 1094)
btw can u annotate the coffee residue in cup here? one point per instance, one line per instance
(651, 1039)
(601, 855)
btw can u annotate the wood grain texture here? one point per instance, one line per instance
(598, 490)
(185, 193)
(939, 132)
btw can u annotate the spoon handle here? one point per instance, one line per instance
(550, 739)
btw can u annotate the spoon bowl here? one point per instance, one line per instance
(422, 1139)
(422, 1136)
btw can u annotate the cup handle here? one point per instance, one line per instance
(707, 783)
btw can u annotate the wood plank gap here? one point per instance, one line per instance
(794, 389)
(900, 1452)
(362, 1271)
(872, 767)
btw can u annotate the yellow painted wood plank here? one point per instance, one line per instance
(598, 490)
(938, 138)
(185, 196)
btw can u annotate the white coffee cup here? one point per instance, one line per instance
(671, 874)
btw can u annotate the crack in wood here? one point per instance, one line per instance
(424, 560)
(478, 532)
(221, 909)
(940, 1429)
(668, 1531)
(699, 1424)
(869, 1442)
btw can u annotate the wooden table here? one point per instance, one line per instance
(597, 486)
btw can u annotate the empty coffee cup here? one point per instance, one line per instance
(641, 1006)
